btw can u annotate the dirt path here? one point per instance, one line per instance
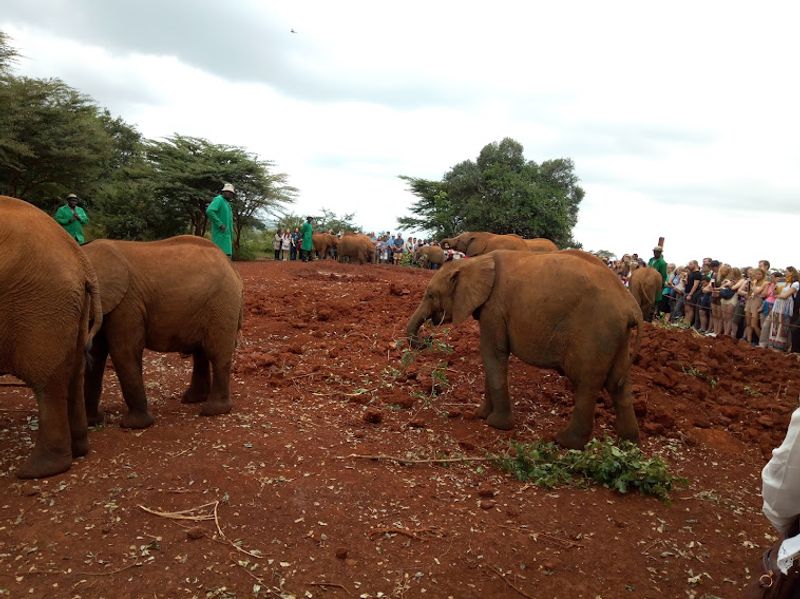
(318, 378)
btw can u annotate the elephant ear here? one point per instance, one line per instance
(113, 272)
(472, 285)
(475, 245)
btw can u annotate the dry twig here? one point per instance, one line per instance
(508, 582)
(110, 572)
(325, 585)
(399, 460)
(183, 514)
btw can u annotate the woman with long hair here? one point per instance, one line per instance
(729, 299)
(721, 281)
(754, 294)
(783, 310)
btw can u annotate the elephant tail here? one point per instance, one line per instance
(635, 328)
(95, 305)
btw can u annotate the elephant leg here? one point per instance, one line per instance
(200, 386)
(219, 401)
(619, 386)
(496, 406)
(52, 453)
(93, 380)
(128, 364)
(579, 430)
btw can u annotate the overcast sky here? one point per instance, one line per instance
(681, 117)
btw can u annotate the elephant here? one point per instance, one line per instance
(324, 244)
(180, 294)
(551, 310)
(49, 311)
(541, 244)
(644, 285)
(429, 255)
(477, 243)
(356, 247)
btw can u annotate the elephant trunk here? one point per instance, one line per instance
(414, 323)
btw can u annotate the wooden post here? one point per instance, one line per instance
(661, 242)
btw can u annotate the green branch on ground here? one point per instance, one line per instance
(622, 467)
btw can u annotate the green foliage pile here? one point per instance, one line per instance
(501, 192)
(620, 467)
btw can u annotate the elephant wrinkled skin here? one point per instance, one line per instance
(475, 243)
(541, 244)
(356, 247)
(552, 310)
(176, 295)
(428, 255)
(324, 244)
(49, 311)
(644, 285)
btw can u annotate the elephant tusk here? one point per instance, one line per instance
(441, 320)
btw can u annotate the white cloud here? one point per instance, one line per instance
(681, 118)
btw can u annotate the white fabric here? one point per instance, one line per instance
(781, 479)
(228, 187)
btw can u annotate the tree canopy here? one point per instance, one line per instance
(55, 140)
(501, 192)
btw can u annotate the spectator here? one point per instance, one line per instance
(678, 293)
(706, 291)
(783, 310)
(780, 490)
(294, 248)
(72, 217)
(277, 242)
(397, 249)
(286, 244)
(765, 317)
(729, 300)
(693, 282)
(221, 217)
(755, 290)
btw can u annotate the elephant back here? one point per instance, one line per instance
(113, 272)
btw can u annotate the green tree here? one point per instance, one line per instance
(8, 54)
(52, 141)
(330, 221)
(499, 192)
(189, 172)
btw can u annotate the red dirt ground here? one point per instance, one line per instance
(317, 378)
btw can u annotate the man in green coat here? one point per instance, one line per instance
(306, 231)
(72, 218)
(221, 217)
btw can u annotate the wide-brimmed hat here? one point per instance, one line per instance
(658, 248)
(228, 187)
(72, 196)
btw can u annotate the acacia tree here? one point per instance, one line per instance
(499, 192)
(189, 171)
(52, 141)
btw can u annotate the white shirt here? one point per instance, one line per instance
(781, 479)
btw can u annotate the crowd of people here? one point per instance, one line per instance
(389, 249)
(754, 304)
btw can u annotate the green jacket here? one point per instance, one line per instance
(306, 231)
(661, 266)
(64, 216)
(220, 215)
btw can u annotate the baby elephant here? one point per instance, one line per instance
(176, 295)
(553, 310)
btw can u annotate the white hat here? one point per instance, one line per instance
(228, 187)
